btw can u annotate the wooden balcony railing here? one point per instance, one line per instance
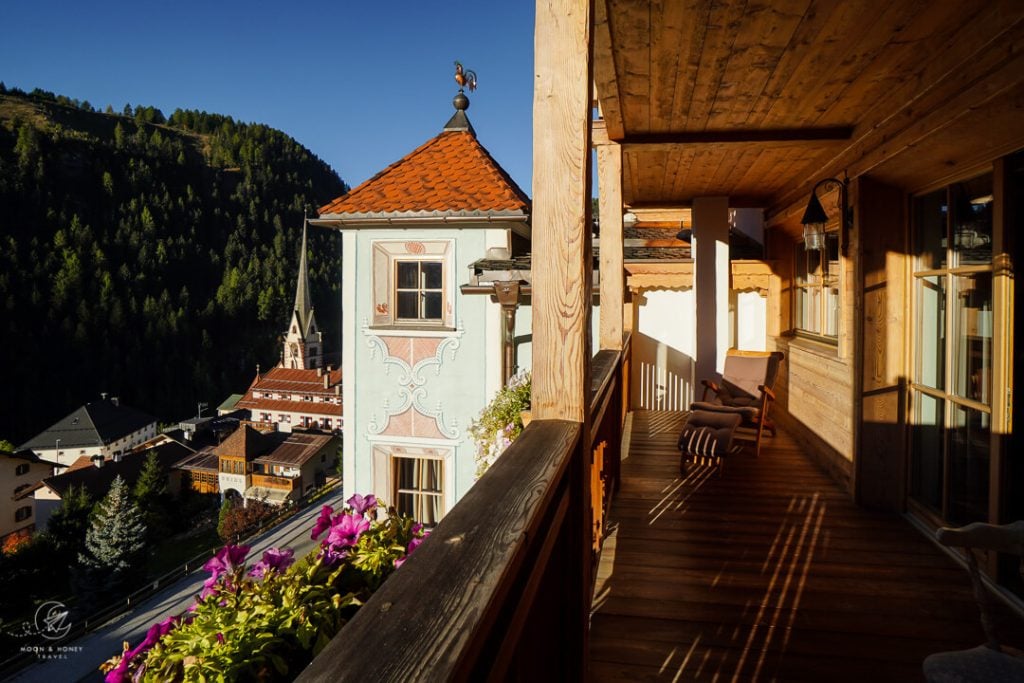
(270, 481)
(502, 587)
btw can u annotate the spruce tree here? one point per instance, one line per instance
(153, 497)
(69, 524)
(116, 539)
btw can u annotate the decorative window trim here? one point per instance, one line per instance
(384, 454)
(386, 255)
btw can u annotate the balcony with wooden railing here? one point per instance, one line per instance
(502, 586)
(271, 481)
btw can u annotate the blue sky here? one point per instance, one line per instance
(360, 84)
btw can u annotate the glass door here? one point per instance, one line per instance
(951, 442)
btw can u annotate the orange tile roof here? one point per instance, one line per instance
(295, 381)
(292, 381)
(283, 406)
(451, 173)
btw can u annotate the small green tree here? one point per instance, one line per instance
(116, 540)
(225, 514)
(153, 497)
(69, 523)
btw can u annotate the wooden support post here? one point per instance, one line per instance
(562, 290)
(562, 261)
(609, 180)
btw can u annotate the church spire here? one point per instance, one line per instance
(303, 306)
(303, 342)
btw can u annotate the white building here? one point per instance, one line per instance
(101, 428)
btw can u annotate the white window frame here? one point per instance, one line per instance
(819, 287)
(386, 256)
(384, 479)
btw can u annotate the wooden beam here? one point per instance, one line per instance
(606, 80)
(782, 136)
(609, 174)
(561, 203)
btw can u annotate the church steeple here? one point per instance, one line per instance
(303, 342)
(303, 307)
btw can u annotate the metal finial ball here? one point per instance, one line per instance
(460, 101)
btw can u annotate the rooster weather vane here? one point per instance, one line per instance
(466, 78)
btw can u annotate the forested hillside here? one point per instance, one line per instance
(148, 258)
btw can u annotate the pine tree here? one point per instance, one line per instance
(69, 523)
(152, 497)
(116, 539)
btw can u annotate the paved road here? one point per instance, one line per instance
(100, 645)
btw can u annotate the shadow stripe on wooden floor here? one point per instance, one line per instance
(765, 571)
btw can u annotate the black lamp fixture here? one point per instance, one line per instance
(815, 218)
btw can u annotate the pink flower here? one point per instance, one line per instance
(227, 561)
(276, 559)
(346, 530)
(119, 674)
(323, 522)
(361, 505)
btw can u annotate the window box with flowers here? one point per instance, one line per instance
(501, 421)
(267, 622)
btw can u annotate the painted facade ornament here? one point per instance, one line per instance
(411, 381)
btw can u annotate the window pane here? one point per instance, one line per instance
(972, 355)
(930, 230)
(408, 275)
(431, 274)
(926, 452)
(419, 488)
(432, 305)
(408, 304)
(972, 221)
(931, 329)
(969, 446)
(832, 312)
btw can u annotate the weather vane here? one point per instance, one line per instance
(465, 77)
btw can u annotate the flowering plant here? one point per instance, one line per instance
(500, 422)
(268, 623)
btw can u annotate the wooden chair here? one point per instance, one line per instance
(746, 390)
(991, 661)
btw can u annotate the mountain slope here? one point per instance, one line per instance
(150, 259)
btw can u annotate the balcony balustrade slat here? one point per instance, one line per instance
(453, 609)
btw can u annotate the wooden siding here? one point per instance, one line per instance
(768, 572)
(816, 390)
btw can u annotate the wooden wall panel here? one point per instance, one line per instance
(880, 462)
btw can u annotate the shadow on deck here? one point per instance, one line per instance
(768, 572)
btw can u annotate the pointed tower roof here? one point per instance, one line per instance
(303, 305)
(450, 175)
(246, 443)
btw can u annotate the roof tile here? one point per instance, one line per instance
(451, 172)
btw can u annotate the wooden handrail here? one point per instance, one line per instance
(459, 606)
(502, 587)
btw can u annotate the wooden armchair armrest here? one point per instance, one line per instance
(1007, 538)
(709, 384)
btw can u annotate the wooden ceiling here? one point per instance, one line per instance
(757, 100)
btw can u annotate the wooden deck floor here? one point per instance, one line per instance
(768, 572)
